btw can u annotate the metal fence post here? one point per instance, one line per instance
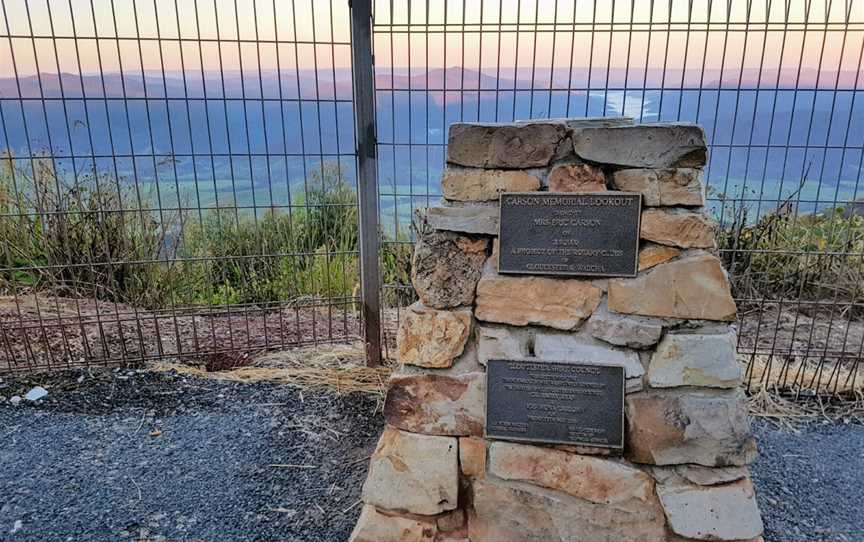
(367, 189)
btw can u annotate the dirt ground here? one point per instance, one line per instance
(50, 332)
(801, 331)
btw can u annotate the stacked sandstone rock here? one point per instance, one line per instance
(683, 471)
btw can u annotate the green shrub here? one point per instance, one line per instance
(784, 255)
(70, 236)
(90, 237)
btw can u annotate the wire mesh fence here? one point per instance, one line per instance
(177, 180)
(776, 85)
(179, 177)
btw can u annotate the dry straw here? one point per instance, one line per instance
(786, 394)
(802, 392)
(338, 368)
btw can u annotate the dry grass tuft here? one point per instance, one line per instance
(798, 392)
(801, 377)
(337, 368)
(787, 395)
(788, 412)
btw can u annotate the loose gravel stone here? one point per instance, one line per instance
(81, 465)
(809, 484)
(85, 463)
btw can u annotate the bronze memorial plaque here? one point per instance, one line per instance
(555, 402)
(595, 234)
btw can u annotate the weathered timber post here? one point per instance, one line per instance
(367, 181)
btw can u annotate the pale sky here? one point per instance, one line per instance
(224, 31)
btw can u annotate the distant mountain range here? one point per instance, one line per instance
(325, 84)
(762, 142)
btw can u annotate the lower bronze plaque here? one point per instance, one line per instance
(594, 234)
(555, 402)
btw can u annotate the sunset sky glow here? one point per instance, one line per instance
(89, 36)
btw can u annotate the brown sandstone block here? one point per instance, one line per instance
(463, 184)
(507, 511)
(374, 526)
(520, 301)
(431, 337)
(589, 478)
(675, 427)
(414, 473)
(452, 526)
(725, 512)
(679, 186)
(434, 404)
(577, 178)
(446, 267)
(652, 255)
(695, 287)
(679, 229)
(506, 146)
(472, 456)
(643, 146)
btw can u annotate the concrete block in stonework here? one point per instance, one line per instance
(510, 511)
(501, 342)
(675, 427)
(678, 228)
(595, 122)
(446, 267)
(525, 300)
(674, 186)
(413, 473)
(432, 338)
(695, 359)
(726, 512)
(651, 255)
(435, 404)
(504, 146)
(472, 184)
(543, 344)
(582, 348)
(624, 330)
(643, 146)
(465, 218)
(472, 456)
(694, 287)
(376, 526)
(576, 178)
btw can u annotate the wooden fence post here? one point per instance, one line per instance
(367, 168)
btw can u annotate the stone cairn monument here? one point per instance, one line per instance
(569, 372)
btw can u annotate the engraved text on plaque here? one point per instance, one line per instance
(555, 402)
(595, 234)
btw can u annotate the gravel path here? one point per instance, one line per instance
(810, 485)
(87, 464)
(128, 455)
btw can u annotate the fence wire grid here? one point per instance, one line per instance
(177, 180)
(776, 85)
(179, 177)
